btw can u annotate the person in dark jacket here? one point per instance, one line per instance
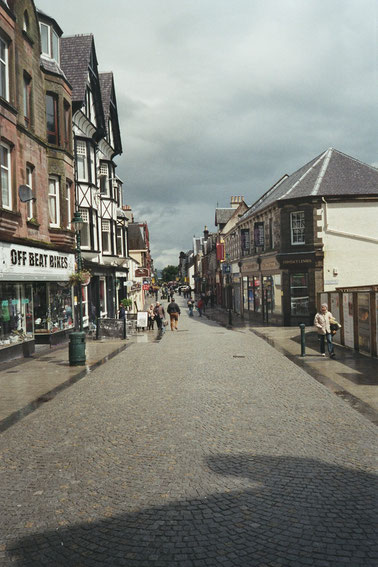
(159, 316)
(174, 312)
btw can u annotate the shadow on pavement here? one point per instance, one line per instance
(288, 512)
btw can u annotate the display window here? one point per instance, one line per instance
(52, 307)
(299, 295)
(257, 294)
(16, 313)
(363, 303)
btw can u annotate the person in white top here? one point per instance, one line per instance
(323, 321)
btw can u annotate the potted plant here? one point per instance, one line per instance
(127, 303)
(82, 277)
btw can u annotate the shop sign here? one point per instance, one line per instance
(141, 272)
(24, 263)
(294, 261)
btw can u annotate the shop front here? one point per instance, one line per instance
(36, 298)
(262, 291)
(299, 287)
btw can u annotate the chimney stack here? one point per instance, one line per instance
(235, 201)
(205, 234)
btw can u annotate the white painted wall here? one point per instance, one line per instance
(350, 235)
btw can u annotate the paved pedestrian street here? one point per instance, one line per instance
(206, 448)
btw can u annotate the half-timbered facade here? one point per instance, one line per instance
(98, 189)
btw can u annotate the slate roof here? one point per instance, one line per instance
(331, 174)
(51, 66)
(75, 53)
(135, 238)
(222, 216)
(106, 83)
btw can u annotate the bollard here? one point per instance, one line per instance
(230, 317)
(303, 339)
(76, 349)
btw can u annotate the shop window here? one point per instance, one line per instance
(27, 99)
(16, 313)
(106, 241)
(297, 223)
(4, 69)
(52, 119)
(299, 295)
(85, 234)
(102, 298)
(257, 294)
(54, 201)
(29, 183)
(52, 307)
(5, 179)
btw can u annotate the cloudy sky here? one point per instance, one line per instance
(219, 98)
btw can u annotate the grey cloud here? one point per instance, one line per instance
(218, 98)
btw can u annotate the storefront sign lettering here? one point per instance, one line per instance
(35, 259)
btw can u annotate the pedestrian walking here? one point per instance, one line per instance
(200, 306)
(159, 316)
(326, 325)
(190, 304)
(122, 311)
(151, 317)
(174, 311)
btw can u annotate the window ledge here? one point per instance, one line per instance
(10, 214)
(8, 105)
(27, 37)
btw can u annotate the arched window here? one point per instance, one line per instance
(26, 24)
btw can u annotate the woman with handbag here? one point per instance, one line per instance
(327, 326)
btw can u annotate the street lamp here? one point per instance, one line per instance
(77, 338)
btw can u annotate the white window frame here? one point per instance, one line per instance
(86, 227)
(29, 183)
(105, 229)
(54, 197)
(119, 238)
(297, 228)
(4, 64)
(50, 33)
(6, 168)
(81, 152)
(68, 203)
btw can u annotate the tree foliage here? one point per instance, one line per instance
(169, 273)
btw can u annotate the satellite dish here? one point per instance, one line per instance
(25, 194)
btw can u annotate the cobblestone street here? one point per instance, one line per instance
(206, 448)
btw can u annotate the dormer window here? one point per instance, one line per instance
(49, 41)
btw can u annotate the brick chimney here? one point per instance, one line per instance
(235, 201)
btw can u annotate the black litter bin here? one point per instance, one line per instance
(76, 351)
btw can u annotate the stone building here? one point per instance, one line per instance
(313, 231)
(36, 181)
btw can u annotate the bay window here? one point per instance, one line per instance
(106, 242)
(4, 69)
(49, 41)
(5, 179)
(52, 119)
(85, 234)
(29, 183)
(54, 200)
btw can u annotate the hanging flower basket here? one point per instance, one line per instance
(83, 278)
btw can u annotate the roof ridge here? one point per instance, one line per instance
(322, 172)
(304, 175)
(354, 159)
